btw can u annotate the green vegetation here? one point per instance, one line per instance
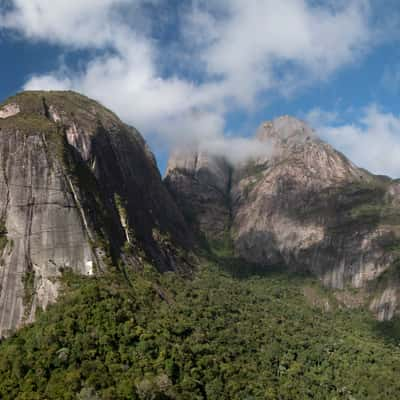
(28, 280)
(222, 248)
(34, 118)
(93, 198)
(254, 172)
(371, 204)
(359, 204)
(3, 236)
(232, 331)
(363, 197)
(249, 187)
(213, 337)
(254, 169)
(32, 102)
(28, 124)
(120, 203)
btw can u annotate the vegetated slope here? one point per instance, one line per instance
(233, 331)
(303, 205)
(78, 189)
(218, 336)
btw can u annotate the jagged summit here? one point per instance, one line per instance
(303, 205)
(286, 128)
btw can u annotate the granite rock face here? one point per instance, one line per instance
(200, 185)
(77, 187)
(304, 206)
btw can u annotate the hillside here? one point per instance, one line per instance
(80, 190)
(272, 279)
(303, 205)
(218, 336)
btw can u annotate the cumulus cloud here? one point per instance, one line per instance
(72, 23)
(260, 39)
(372, 142)
(235, 49)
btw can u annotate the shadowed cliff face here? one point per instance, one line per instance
(77, 189)
(200, 186)
(304, 205)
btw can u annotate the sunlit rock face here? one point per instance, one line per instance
(76, 184)
(304, 206)
(9, 110)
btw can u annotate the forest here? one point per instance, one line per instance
(223, 333)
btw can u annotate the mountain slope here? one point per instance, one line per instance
(269, 336)
(86, 219)
(305, 206)
(77, 187)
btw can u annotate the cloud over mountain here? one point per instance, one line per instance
(230, 53)
(372, 141)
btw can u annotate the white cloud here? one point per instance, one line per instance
(48, 82)
(73, 23)
(252, 38)
(235, 46)
(318, 117)
(372, 142)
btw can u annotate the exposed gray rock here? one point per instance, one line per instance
(9, 110)
(44, 229)
(385, 304)
(200, 185)
(304, 205)
(75, 182)
(295, 209)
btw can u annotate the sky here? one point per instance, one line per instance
(207, 73)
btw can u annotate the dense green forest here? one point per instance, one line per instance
(217, 335)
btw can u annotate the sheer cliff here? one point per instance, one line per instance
(304, 206)
(79, 189)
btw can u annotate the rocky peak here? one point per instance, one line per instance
(306, 206)
(286, 129)
(79, 189)
(298, 152)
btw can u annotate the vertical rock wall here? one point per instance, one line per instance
(304, 206)
(77, 188)
(43, 228)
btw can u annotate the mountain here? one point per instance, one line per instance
(304, 206)
(79, 189)
(203, 286)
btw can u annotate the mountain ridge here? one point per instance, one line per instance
(79, 189)
(115, 285)
(304, 205)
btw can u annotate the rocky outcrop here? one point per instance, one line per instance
(9, 110)
(77, 189)
(200, 185)
(307, 207)
(385, 304)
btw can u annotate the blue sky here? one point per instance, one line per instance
(205, 74)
